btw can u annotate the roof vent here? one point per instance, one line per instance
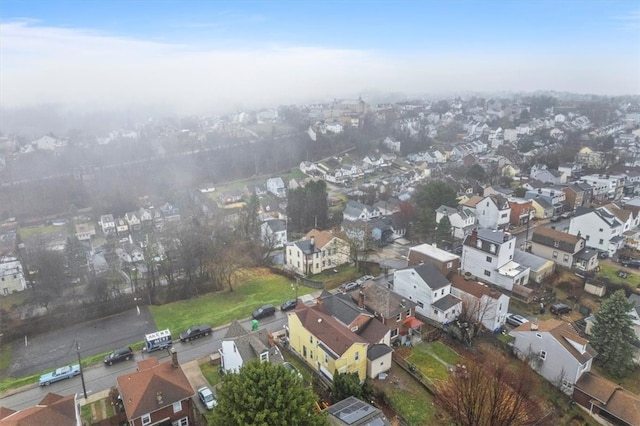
(159, 398)
(319, 320)
(534, 326)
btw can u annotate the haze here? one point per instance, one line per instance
(202, 57)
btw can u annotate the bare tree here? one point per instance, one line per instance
(489, 394)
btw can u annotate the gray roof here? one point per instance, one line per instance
(635, 298)
(544, 203)
(447, 302)
(354, 412)
(277, 225)
(531, 260)
(586, 254)
(376, 351)
(380, 299)
(341, 307)
(307, 247)
(235, 330)
(431, 275)
(492, 236)
(251, 344)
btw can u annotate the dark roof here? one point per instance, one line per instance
(376, 351)
(277, 225)
(586, 254)
(235, 329)
(550, 237)
(610, 397)
(306, 247)
(381, 300)
(354, 412)
(445, 303)
(431, 275)
(341, 307)
(373, 331)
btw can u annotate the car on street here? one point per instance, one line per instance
(291, 368)
(630, 263)
(66, 372)
(555, 218)
(207, 397)
(516, 320)
(560, 308)
(566, 215)
(288, 305)
(195, 332)
(122, 354)
(264, 311)
(348, 286)
(603, 255)
(364, 279)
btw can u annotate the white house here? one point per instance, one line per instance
(430, 290)
(240, 346)
(493, 212)
(108, 224)
(355, 210)
(601, 229)
(274, 233)
(555, 350)
(276, 187)
(480, 303)
(463, 221)
(488, 255)
(11, 276)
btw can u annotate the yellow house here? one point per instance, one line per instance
(326, 344)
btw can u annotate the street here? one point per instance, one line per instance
(100, 377)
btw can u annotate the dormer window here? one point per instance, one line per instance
(556, 244)
(492, 248)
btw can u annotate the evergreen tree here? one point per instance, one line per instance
(435, 194)
(443, 231)
(612, 334)
(262, 393)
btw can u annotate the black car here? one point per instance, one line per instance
(559, 309)
(264, 311)
(195, 332)
(122, 354)
(288, 305)
(630, 263)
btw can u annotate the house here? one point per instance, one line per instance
(480, 303)
(606, 187)
(326, 344)
(355, 210)
(565, 249)
(276, 187)
(430, 290)
(108, 224)
(607, 400)
(377, 232)
(133, 220)
(259, 190)
(488, 255)
(157, 392)
(230, 197)
(542, 207)
(355, 412)
(273, 233)
(240, 346)
(463, 221)
(53, 409)
(539, 268)
(577, 194)
(316, 252)
(12, 277)
(122, 227)
(555, 350)
(393, 310)
(84, 231)
(601, 229)
(170, 213)
(544, 174)
(427, 253)
(493, 212)
(521, 211)
(146, 218)
(554, 195)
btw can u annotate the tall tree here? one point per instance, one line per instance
(443, 231)
(435, 194)
(612, 335)
(262, 393)
(345, 385)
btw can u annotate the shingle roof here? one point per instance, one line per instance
(54, 409)
(445, 303)
(341, 307)
(376, 351)
(328, 330)
(379, 299)
(322, 238)
(549, 237)
(611, 398)
(564, 333)
(140, 390)
(473, 287)
(431, 275)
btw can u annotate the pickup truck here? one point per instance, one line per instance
(66, 372)
(195, 332)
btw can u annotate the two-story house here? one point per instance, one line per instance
(170, 213)
(493, 212)
(463, 221)
(565, 249)
(554, 350)
(53, 409)
(543, 209)
(107, 224)
(84, 231)
(427, 253)
(122, 227)
(553, 195)
(157, 393)
(326, 344)
(488, 254)
(239, 346)
(601, 229)
(388, 307)
(480, 303)
(577, 194)
(133, 220)
(273, 233)
(606, 187)
(11, 276)
(355, 210)
(317, 251)
(276, 187)
(521, 211)
(544, 174)
(430, 290)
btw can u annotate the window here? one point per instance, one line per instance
(264, 356)
(317, 265)
(326, 358)
(177, 407)
(304, 351)
(394, 332)
(146, 419)
(600, 241)
(487, 273)
(408, 312)
(543, 355)
(449, 265)
(503, 215)
(398, 317)
(311, 339)
(357, 356)
(442, 292)
(556, 244)
(600, 230)
(565, 258)
(489, 259)
(492, 248)
(311, 354)
(420, 304)
(183, 422)
(555, 254)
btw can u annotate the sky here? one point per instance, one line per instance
(199, 56)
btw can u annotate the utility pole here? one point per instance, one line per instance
(84, 388)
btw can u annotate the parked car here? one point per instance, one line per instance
(66, 372)
(122, 354)
(291, 368)
(555, 218)
(566, 215)
(560, 308)
(348, 286)
(363, 279)
(195, 332)
(516, 320)
(207, 398)
(264, 311)
(288, 305)
(630, 263)
(603, 255)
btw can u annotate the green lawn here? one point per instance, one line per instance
(210, 372)
(28, 232)
(17, 299)
(423, 358)
(609, 271)
(257, 287)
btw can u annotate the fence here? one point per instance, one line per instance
(415, 373)
(304, 281)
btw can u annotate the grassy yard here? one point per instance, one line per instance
(31, 231)
(610, 272)
(15, 299)
(210, 372)
(332, 279)
(254, 288)
(429, 358)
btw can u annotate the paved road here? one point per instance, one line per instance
(100, 377)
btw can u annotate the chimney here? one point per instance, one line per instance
(174, 357)
(312, 242)
(361, 299)
(271, 339)
(159, 398)
(534, 326)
